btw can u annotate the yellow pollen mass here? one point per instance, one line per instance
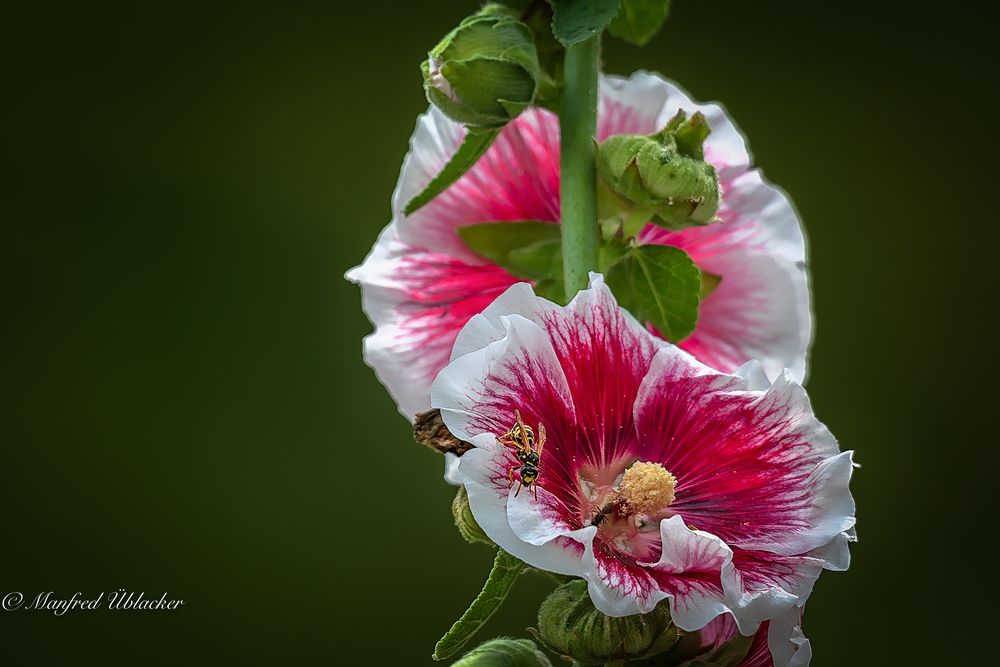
(647, 488)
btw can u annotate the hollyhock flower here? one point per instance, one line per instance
(659, 477)
(421, 284)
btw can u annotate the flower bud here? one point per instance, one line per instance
(485, 71)
(665, 173)
(504, 653)
(464, 521)
(570, 625)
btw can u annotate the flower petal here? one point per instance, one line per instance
(487, 326)
(789, 647)
(836, 555)
(479, 392)
(760, 585)
(516, 179)
(755, 468)
(689, 573)
(419, 301)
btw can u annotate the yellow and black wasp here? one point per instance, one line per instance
(521, 438)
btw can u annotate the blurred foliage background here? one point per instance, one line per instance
(185, 404)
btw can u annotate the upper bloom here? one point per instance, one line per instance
(659, 477)
(421, 284)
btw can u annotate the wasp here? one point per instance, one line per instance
(521, 438)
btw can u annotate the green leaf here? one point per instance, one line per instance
(577, 20)
(497, 240)
(659, 285)
(472, 148)
(639, 20)
(505, 572)
(538, 260)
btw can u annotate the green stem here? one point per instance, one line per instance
(578, 189)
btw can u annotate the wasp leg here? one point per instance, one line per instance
(518, 488)
(510, 473)
(534, 490)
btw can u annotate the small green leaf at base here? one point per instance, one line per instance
(660, 285)
(496, 241)
(638, 21)
(472, 148)
(577, 20)
(505, 572)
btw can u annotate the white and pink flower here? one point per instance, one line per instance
(660, 477)
(421, 284)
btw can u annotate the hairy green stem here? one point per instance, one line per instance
(578, 186)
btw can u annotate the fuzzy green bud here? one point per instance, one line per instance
(504, 652)
(484, 72)
(464, 521)
(569, 624)
(664, 173)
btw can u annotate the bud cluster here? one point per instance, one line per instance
(664, 173)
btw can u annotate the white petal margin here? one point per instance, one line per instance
(381, 294)
(762, 311)
(789, 646)
(831, 512)
(488, 326)
(832, 508)
(459, 385)
(451, 463)
(836, 555)
(777, 587)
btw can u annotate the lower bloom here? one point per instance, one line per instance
(649, 474)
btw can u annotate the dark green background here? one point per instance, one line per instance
(186, 408)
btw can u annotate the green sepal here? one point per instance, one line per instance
(504, 652)
(506, 570)
(466, 523)
(660, 285)
(709, 281)
(690, 135)
(573, 21)
(472, 148)
(638, 21)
